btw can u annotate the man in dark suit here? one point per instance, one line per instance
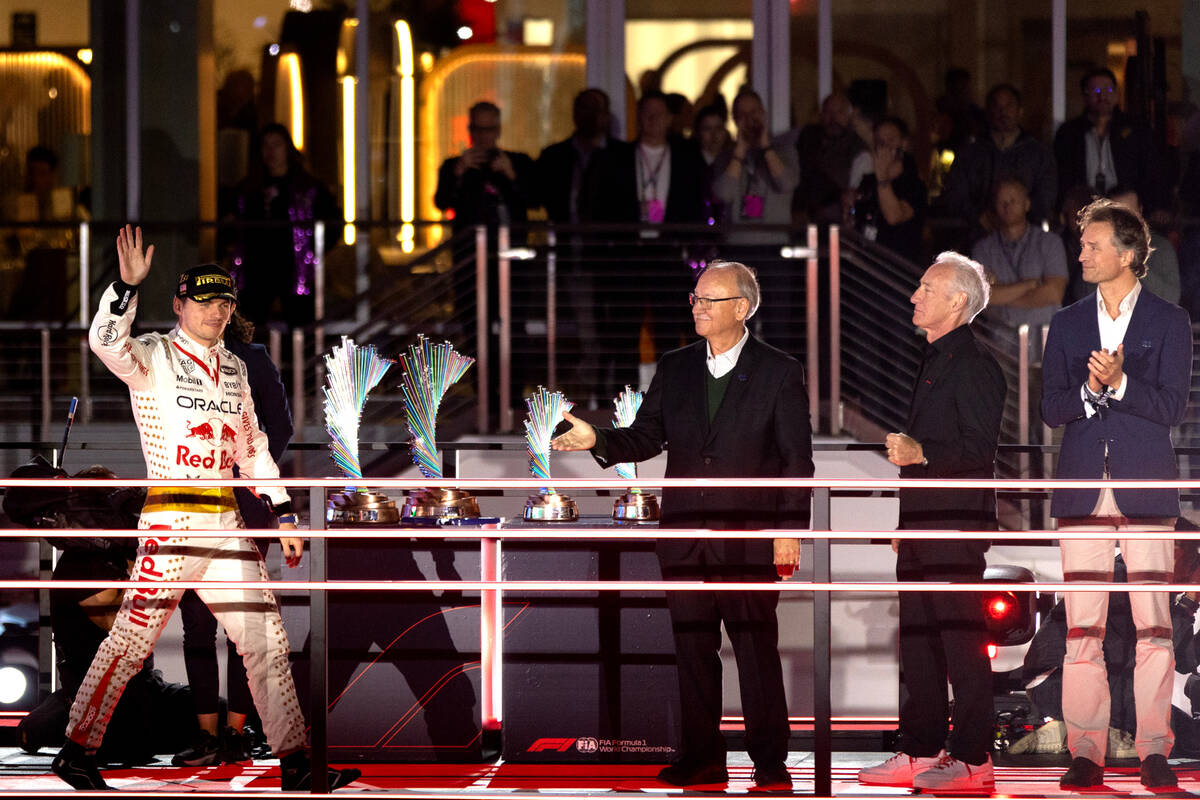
(657, 181)
(1103, 146)
(1115, 375)
(728, 406)
(571, 177)
(953, 427)
(567, 173)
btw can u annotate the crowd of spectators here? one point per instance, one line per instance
(1008, 196)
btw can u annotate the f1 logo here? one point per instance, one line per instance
(557, 745)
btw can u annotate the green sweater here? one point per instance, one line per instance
(716, 391)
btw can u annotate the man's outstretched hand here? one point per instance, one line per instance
(135, 265)
(582, 436)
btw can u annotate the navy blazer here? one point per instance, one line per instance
(1137, 429)
(761, 429)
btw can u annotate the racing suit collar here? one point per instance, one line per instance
(194, 347)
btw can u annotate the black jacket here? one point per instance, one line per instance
(479, 194)
(761, 429)
(555, 169)
(617, 199)
(955, 415)
(274, 418)
(1134, 151)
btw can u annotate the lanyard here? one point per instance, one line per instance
(650, 177)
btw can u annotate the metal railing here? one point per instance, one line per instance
(491, 584)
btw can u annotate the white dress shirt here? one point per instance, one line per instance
(719, 366)
(1112, 333)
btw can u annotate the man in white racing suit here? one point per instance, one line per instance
(191, 401)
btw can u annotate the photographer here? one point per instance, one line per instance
(485, 185)
(493, 187)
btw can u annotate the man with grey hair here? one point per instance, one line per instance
(1116, 376)
(731, 407)
(952, 430)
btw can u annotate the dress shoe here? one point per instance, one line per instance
(1083, 774)
(772, 778)
(295, 774)
(1156, 772)
(687, 774)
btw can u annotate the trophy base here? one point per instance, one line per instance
(551, 508)
(361, 508)
(441, 504)
(636, 508)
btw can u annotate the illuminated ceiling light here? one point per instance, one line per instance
(349, 189)
(53, 92)
(465, 32)
(426, 61)
(300, 5)
(84, 55)
(273, 49)
(260, 22)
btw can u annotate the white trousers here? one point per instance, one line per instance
(1085, 697)
(250, 618)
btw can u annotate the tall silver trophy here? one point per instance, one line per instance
(545, 412)
(429, 371)
(351, 372)
(635, 505)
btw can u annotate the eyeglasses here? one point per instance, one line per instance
(705, 303)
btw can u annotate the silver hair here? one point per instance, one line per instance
(747, 281)
(969, 278)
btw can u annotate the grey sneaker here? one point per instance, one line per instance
(1049, 738)
(899, 770)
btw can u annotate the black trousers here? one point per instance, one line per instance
(753, 630)
(943, 635)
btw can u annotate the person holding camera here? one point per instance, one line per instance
(485, 185)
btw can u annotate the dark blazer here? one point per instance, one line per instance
(1135, 156)
(1136, 429)
(555, 169)
(955, 415)
(760, 430)
(618, 193)
(274, 418)
(471, 199)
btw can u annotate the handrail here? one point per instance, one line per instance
(492, 584)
